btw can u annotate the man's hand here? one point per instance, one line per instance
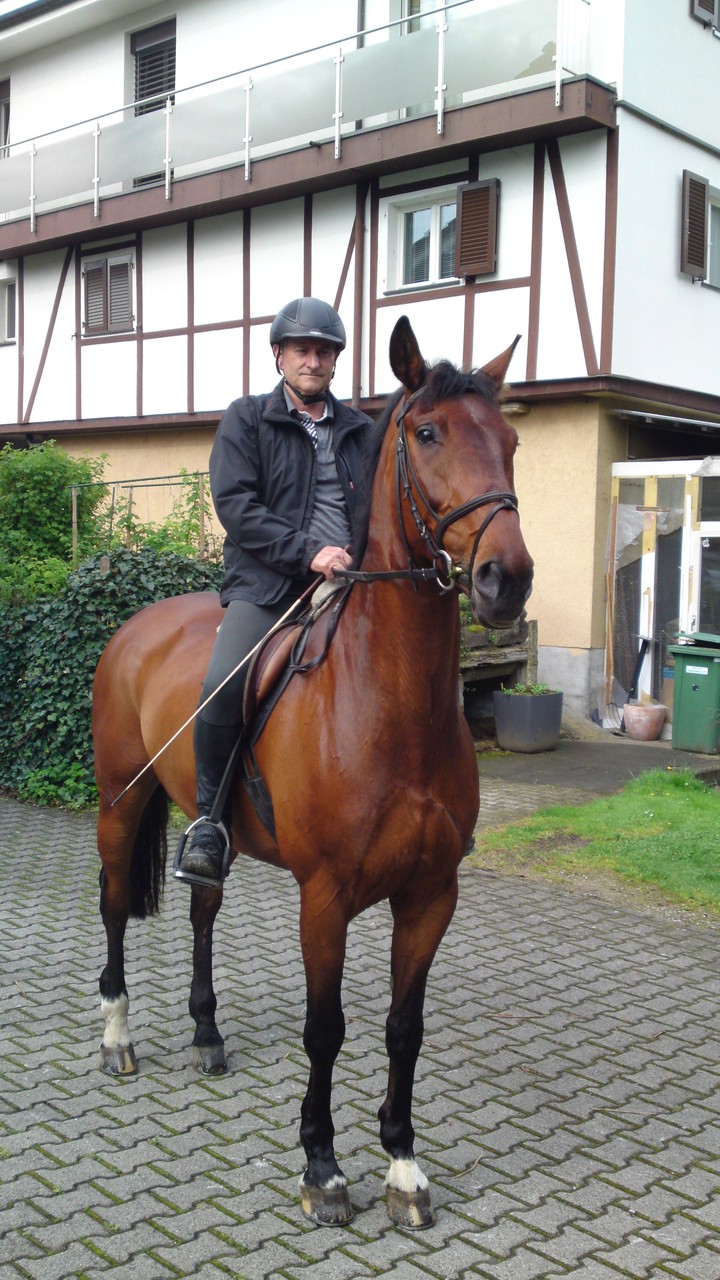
(330, 558)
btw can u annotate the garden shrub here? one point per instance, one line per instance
(36, 517)
(48, 653)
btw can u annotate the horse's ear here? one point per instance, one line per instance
(406, 361)
(497, 369)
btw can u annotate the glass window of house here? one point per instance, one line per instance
(4, 116)
(428, 243)
(154, 53)
(8, 310)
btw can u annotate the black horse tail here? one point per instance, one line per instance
(147, 871)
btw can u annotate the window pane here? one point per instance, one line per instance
(4, 113)
(448, 222)
(10, 312)
(710, 498)
(710, 586)
(417, 247)
(415, 9)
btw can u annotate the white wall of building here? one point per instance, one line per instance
(55, 396)
(218, 257)
(672, 67)
(660, 315)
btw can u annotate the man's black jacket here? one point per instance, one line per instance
(263, 476)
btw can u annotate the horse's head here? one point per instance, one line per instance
(455, 460)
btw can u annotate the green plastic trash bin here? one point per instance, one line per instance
(696, 701)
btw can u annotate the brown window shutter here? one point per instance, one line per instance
(694, 231)
(476, 239)
(706, 11)
(120, 295)
(95, 299)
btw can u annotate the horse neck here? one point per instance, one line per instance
(417, 619)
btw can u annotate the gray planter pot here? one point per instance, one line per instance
(527, 721)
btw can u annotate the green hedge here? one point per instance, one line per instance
(48, 654)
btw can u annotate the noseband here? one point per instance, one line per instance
(407, 483)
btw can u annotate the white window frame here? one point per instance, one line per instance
(8, 311)
(392, 213)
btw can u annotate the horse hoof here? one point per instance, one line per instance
(411, 1209)
(118, 1060)
(326, 1206)
(210, 1059)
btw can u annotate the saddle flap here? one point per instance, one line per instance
(267, 667)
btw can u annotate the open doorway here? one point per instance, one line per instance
(663, 576)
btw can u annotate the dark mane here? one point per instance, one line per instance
(446, 382)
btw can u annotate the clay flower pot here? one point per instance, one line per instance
(644, 721)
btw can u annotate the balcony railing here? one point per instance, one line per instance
(461, 54)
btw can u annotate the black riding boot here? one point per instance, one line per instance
(204, 847)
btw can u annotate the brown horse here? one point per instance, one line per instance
(368, 758)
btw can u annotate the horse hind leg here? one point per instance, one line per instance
(132, 846)
(417, 933)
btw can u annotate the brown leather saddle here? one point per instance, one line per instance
(280, 657)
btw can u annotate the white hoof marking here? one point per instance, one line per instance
(407, 1176)
(117, 1032)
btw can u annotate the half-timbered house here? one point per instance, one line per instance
(172, 172)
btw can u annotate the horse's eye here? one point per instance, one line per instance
(425, 435)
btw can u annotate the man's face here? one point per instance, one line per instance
(307, 363)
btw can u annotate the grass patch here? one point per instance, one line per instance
(660, 831)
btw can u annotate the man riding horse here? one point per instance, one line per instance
(289, 477)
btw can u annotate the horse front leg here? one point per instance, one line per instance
(323, 936)
(208, 1044)
(419, 925)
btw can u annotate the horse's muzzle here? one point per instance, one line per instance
(498, 596)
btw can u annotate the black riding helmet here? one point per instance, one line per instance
(308, 318)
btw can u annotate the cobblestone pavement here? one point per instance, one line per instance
(502, 802)
(568, 1101)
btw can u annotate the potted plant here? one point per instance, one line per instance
(527, 717)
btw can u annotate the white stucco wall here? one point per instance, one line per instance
(55, 397)
(672, 67)
(660, 315)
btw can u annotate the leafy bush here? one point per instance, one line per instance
(36, 533)
(48, 654)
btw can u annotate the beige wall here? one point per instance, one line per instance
(142, 454)
(556, 478)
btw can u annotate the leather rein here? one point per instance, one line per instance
(407, 483)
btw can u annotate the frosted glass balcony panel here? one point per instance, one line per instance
(207, 127)
(64, 169)
(15, 182)
(132, 148)
(506, 43)
(293, 103)
(387, 77)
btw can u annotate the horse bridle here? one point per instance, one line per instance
(407, 482)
